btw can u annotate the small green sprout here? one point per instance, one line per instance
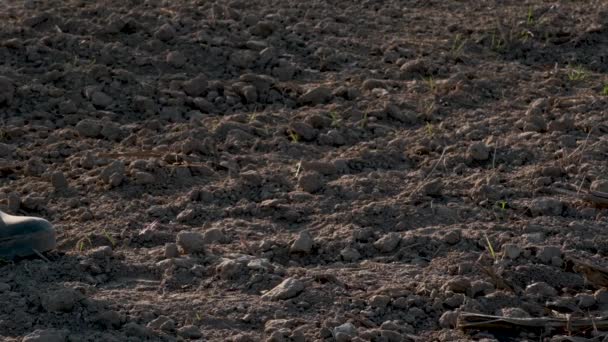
(335, 118)
(457, 45)
(429, 129)
(109, 237)
(605, 90)
(431, 83)
(81, 243)
(295, 137)
(577, 73)
(530, 19)
(298, 168)
(490, 247)
(363, 122)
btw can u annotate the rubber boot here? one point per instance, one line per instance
(22, 236)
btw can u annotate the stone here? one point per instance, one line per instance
(190, 332)
(59, 181)
(546, 206)
(547, 253)
(214, 235)
(302, 244)
(45, 335)
(185, 215)
(101, 252)
(101, 99)
(310, 182)
(143, 178)
(350, 254)
(601, 296)
(540, 289)
(413, 68)
(62, 300)
(514, 312)
(108, 319)
(511, 251)
(391, 336)
(88, 128)
(316, 96)
(165, 33)
(137, 330)
(196, 86)
(452, 237)
(111, 131)
(584, 301)
(458, 285)
(176, 59)
(289, 288)
(599, 185)
(191, 242)
(388, 242)
(171, 250)
(379, 301)
(478, 151)
(347, 329)
(303, 130)
(6, 150)
(229, 269)
(448, 319)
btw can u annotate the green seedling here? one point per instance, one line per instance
(429, 129)
(497, 43)
(81, 243)
(335, 119)
(109, 237)
(295, 137)
(298, 168)
(199, 317)
(457, 46)
(490, 247)
(363, 122)
(530, 18)
(577, 73)
(604, 92)
(431, 83)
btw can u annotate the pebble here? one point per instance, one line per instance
(196, 86)
(379, 301)
(350, 254)
(303, 243)
(310, 182)
(511, 251)
(346, 329)
(101, 99)
(388, 242)
(101, 252)
(600, 185)
(111, 131)
(458, 285)
(165, 33)
(190, 332)
(62, 300)
(137, 330)
(171, 250)
(214, 235)
(88, 128)
(316, 96)
(304, 130)
(228, 269)
(448, 319)
(143, 178)
(7, 90)
(185, 215)
(391, 336)
(45, 335)
(478, 151)
(452, 237)
(601, 296)
(6, 150)
(540, 289)
(546, 206)
(289, 288)
(191, 242)
(176, 59)
(585, 301)
(413, 68)
(514, 312)
(547, 253)
(59, 181)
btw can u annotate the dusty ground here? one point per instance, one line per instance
(391, 164)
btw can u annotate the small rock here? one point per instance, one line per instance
(347, 329)
(350, 254)
(101, 99)
(46, 335)
(197, 86)
(191, 242)
(190, 332)
(108, 319)
(478, 151)
(137, 330)
(514, 312)
(540, 289)
(111, 131)
(176, 59)
(452, 237)
(413, 68)
(546, 206)
(432, 188)
(171, 250)
(14, 202)
(391, 336)
(304, 130)
(289, 288)
(310, 182)
(511, 251)
(165, 33)
(601, 296)
(229, 269)
(370, 84)
(448, 319)
(158, 322)
(185, 215)
(59, 181)
(481, 287)
(458, 285)
(142, 178)
(316, 96)
(303, 243)
(88, 128)
(101, 252)
(547, 253)
(61, 300)
(6, 150)
(379, 301)
(388, 242)
(214, 235)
